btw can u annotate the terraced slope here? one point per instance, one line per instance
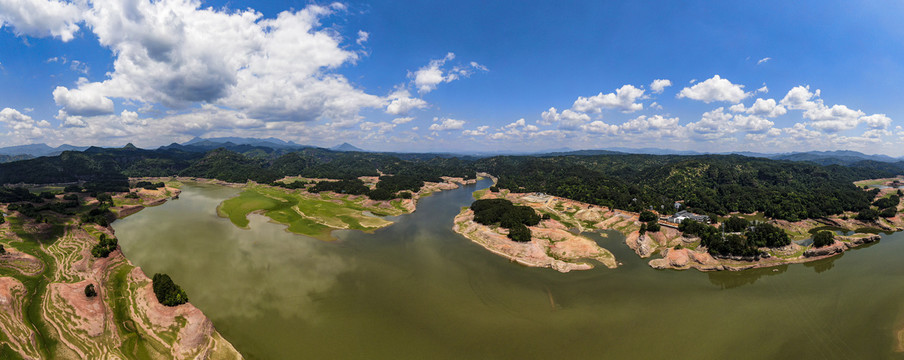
(45, 313)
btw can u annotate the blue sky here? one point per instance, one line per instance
(465, 76)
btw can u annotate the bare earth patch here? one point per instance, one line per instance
(551, 246)
(23, 263)
(20, 336)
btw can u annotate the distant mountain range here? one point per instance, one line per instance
(347, 147)
(838, 157)
(35, 150)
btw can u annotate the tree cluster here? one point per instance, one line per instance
(100, 215)
(149, 185)
(167, 292)
(105, 246)
(868, 214)
(297, 184)
(709, 184)
(768, 235)
(515, 218)
(823, 238)
(735, 224)
(747, 245)
(89, 291)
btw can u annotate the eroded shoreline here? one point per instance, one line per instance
(53, 264)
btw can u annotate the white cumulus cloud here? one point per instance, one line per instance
(877, 121)
(85, 100)
(401, 103)
(428, 77)
(566, 120)
(715, 89)
(447, 124)
(658, 85)
(41, 18)
(622, 99)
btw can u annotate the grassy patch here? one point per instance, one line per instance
(479, 193)
(752, 217)
(817, 229)
(133, 343)
(47, 236)
(312, 215)
(872, 182)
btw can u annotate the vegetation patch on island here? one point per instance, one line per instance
(518, 232)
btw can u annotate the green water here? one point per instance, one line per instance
(417, 290)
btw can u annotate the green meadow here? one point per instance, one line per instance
(314, 215)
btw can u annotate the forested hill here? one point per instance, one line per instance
(237, 164)
(715, 184)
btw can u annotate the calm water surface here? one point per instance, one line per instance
(417, 290)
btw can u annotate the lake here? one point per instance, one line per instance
(417, 290)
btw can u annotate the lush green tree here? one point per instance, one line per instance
(405, 194)
(692, 227)
(105, 198)
(823, 238)
(507, 215)
(47, 195)
(519, 233)
(105, 246)
(379, 194)
(2, 250)
(100, 215)
(768, 235)
(72, 189)
(653, 226)
(89, 291)
(149, 185)
(494, 189)
(735, 224)
(647, 216)
(888, 212)
(888, 202)
(643, 228)
(167, 292)
(491, 211)
(297, 184)
(347, 186)
(867, 214)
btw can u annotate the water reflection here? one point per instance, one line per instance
(243, 276)
(734, 279)
(823, 265)
(418, 290)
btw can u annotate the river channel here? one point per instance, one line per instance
(417, 290)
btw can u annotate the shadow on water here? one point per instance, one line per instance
(823, 265)
(734, 279)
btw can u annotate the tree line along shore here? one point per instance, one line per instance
(733, 242)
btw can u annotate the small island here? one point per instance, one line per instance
(529, 233)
